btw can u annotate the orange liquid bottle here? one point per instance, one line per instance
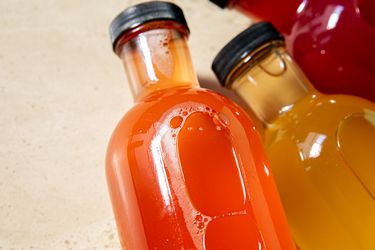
(185, 168)
(320, 147)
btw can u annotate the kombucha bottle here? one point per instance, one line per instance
(331, 40)
(185, 168)
(320, 147)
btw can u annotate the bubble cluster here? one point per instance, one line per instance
(200, 221)
(164, 43)
(176, 121)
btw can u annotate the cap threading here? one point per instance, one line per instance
(241, 46)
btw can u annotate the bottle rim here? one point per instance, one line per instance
(142, 13)
(243, 46)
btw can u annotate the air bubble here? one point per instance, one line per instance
(175, 122)
(198, 217)
(201, 225)
(200, 221)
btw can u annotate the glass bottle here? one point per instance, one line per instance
(185, 168)
(331, 40)
(320, 147)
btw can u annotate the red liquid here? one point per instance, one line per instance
(187, 171)
(332, 40)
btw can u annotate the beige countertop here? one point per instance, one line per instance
(62, 92)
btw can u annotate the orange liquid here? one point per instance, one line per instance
(186, 170)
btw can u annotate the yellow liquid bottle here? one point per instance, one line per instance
(321, 148)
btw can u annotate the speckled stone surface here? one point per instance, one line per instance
(62, 91)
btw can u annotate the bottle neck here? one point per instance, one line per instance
(280, 12)
(269, 82)
(156, 57)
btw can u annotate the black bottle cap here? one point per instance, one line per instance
(241, 46)
(143, 13)
(220, 3)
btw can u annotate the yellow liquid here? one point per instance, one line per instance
(322, 156)
(328, 203)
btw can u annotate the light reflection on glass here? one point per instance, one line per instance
(286, 108)
(302, 6)
(239, 173)
(259, 246)
(266, 170)
(252, 80)
(147, 58)
(334, 18)
(157, 156)
(302, 156)
(312, 146)
(316, 148)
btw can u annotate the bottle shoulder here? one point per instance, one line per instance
(322, 104)
(318, 114)
(149, 111)
(160, 102)
(198, 112)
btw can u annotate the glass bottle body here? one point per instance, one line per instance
(316, 33)
(185, 169)
(320, 149)
(331, 178)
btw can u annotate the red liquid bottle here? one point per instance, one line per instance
(185, 168)
(331, 40)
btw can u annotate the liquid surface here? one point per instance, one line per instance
(187, 171)
(317, 37)
(321, 154)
